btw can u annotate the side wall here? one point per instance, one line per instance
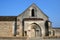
(6, 28)
(57, 32)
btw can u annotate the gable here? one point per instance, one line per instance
(28, 13)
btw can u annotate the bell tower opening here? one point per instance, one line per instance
(32, 13)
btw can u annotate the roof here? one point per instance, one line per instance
(7, 18)
(56, 28)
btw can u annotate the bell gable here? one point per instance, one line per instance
(33, 12)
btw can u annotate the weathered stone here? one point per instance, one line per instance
(31, 23)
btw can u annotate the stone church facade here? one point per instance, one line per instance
(31, 23)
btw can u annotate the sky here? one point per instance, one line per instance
(15, 7)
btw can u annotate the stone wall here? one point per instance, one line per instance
(57, 32)
(27, 26)
(6, 28)
(19, 29)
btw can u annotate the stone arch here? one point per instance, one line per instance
(35, 30)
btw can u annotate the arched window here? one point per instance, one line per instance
(32, 13)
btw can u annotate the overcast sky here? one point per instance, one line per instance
(15, 7)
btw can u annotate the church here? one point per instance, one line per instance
(31, 23)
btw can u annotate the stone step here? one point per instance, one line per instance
(38, 38)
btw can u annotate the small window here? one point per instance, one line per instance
(32, 13)
(25, 33)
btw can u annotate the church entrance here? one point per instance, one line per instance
(34, 30)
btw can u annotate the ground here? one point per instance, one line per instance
(24, 38)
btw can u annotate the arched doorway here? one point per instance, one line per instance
(34, 30)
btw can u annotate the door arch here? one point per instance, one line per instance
(34, 30)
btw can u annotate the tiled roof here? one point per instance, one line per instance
(7, 18)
